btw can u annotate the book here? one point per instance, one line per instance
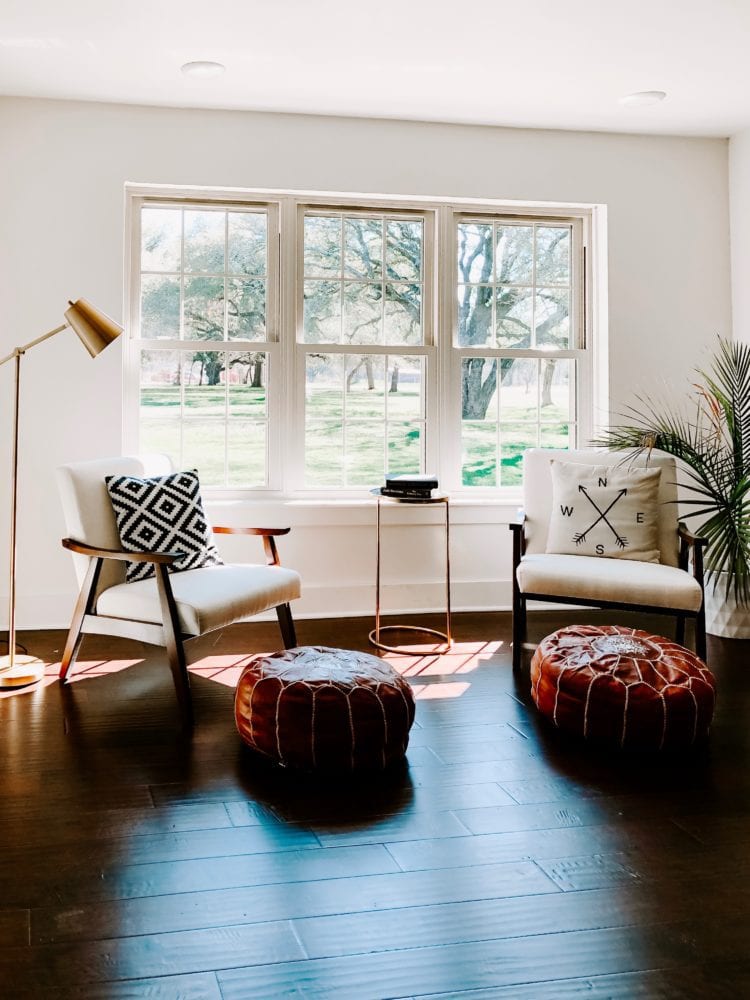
(410, 481)
(402, 494)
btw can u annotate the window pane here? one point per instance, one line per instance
(247, 243)
(160, 385)
(557, 403)
(363, 248)
(161, 437)
(204, 241)
(365, 383)
(363, 313)
(404, 385)
(324, 388)
(475, 316)
(552, 255)
(514, 320)
(203, 444)
(324, 453)
(246, 385)
(204, 391)
(403, 250)
(322, 316)
(404, 447)
(246, 309)
(552, 317)
(246, 453)
(479, 389)
(514, 255)
(479, 458)
(519, 392)
(322, 246)
(403, 314)
(514, 440)
(555, 436)
(161, 239)
(160, 307)
(474, 252)
(365, 458)
(203, 309)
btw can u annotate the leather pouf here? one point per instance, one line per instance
(318, 708)
(623, 687)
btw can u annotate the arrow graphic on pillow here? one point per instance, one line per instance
(581, 536)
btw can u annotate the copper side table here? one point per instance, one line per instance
(436, 498)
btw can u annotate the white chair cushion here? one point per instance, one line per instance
(208, 598)
(594, 579)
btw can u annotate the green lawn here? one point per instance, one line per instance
(336, 456)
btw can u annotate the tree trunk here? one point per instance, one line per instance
(394, 378)
(547, 376)
(257, 382)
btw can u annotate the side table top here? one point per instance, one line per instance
(435, 498)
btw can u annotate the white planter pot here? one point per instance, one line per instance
(724, 616)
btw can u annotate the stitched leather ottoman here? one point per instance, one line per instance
(318, 708)
(622, 687)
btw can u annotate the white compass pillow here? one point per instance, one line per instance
(601, 510)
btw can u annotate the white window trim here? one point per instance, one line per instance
(286, 408)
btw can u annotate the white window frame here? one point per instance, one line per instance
(286, 350)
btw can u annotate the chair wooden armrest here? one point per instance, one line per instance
(267, 534)
(689, 538)
(229, 530)
(690, 541)
(167, 558)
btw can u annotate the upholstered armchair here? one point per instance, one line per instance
(168, 609)
(671, 586)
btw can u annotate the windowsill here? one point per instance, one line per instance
(352, 511)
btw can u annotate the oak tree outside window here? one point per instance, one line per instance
(307, 347)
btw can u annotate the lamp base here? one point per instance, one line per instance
(24, 671)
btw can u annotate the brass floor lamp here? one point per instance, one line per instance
(95, 331)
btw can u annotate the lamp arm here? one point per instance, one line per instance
(32, 343)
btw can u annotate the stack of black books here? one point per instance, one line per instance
(409, 487)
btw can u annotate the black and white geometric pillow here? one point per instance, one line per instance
(162, 514)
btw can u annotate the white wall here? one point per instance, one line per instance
(62, 170)
(739, 203)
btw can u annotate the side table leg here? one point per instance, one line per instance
(448, 639)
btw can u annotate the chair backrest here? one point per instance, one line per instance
(87, 509)
(537, 492)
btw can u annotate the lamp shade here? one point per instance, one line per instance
(94, 328)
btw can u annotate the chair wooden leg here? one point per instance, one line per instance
(700, 633)
(679, 631)
(175, 648)
(286, 624)
(519, 628)
(84, 606)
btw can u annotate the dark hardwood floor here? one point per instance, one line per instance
(501, 860)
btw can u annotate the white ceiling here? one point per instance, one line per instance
(538, 63)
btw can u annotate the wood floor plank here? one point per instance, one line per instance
(164, 878)
(406, 826)
(466, 966)
(262, 903)
(153, 956)
(196, 986)
(14, 928)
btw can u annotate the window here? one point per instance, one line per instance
(518, 338)
(205, 331)
(302, 347)
(362, 340)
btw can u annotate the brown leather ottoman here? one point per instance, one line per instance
(319, 708)
(623, 687)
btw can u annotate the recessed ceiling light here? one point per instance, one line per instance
(203, 68)
(643, 98)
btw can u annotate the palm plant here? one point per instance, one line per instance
(711, 435)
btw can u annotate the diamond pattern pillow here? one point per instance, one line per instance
(162, 514)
